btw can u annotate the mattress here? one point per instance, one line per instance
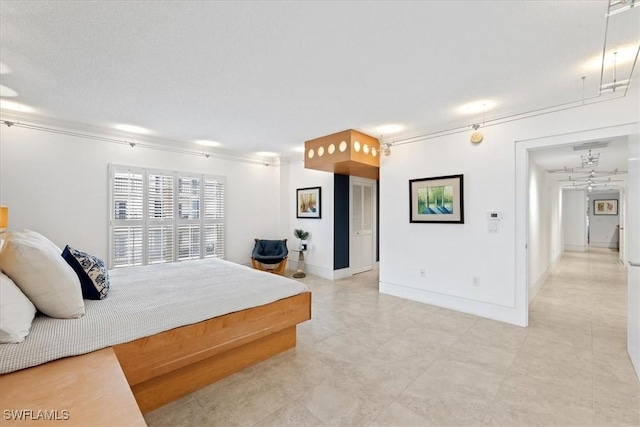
(147, 300)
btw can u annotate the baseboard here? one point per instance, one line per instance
(325, 273)
(487, 310)
(603, 245)
(342, 273)
(576, 248)
(533, 290)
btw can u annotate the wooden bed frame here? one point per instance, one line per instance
(172, 364)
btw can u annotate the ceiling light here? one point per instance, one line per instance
(266, 154)
(477, 107)
(619, 6)
(346, 153)
(614, 85)
(208, 143)
(14, 106)
(620, 55)
(7, 91)
(132, 129)
(389, 129)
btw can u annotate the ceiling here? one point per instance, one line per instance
(266, 76)
(614, 156)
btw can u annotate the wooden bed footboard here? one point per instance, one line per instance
(172, 364)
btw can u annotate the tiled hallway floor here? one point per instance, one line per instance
(372, 359)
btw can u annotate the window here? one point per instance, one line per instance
(164, 216)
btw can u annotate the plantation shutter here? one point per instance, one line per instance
(164, 216)
(188, 242)
(127, 218)
(189, 223)
(214, 217)
(160, 198)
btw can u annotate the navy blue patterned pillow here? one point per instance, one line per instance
(91, 270)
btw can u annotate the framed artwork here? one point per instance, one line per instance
(309, 202)
(605, 207)
(438, 200)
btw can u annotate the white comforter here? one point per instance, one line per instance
(144, 301)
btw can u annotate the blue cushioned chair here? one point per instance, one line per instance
(270, 252)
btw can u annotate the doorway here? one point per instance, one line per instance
(524, 150)
(362, 224)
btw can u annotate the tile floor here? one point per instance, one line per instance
(372, 359)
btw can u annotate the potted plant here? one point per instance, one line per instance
(302, 235)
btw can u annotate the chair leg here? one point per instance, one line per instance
(280, 268)
(277, 270)
(256, 265)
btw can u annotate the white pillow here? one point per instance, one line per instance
(34, 264)
(44, 239)
(16, 312)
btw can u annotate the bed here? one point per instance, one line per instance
(173, 328)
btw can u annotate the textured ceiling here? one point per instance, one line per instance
(258, 76)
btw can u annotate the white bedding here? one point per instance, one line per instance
(144, 301)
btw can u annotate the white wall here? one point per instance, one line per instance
(575, 220)
(603, 229)
(319, 256)
(545, 216)
(557, 218)
(453, 253)
(58, 185)
(632, 232)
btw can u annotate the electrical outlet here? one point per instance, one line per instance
(476, 281)
(423, 272)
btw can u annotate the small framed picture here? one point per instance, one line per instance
(439, 199)
(309, 203)
(605, 207)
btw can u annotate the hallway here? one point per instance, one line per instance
(367, 358)
(577, 338)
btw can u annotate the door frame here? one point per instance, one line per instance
(374, 183)
(522, 148)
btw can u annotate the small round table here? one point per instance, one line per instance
(300, 273)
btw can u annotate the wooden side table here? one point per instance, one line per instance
(299, 274)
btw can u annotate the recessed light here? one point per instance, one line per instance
(14, 106)
(208, 143)
(132, 128)
(7, 91)
(477, 107)
(4, 69)
(266, 154)
(389, 129)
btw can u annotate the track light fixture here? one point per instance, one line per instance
(619, 6)
(386, 149)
